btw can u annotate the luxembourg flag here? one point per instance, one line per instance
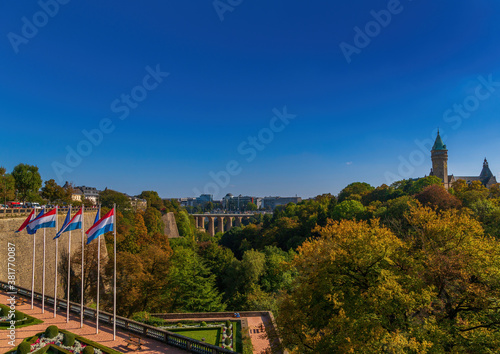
(27, 221)
(44, 221)
(105, 224)
(70, 225)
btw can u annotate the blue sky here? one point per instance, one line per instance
(72, 70)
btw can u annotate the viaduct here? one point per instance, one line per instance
(224, 221)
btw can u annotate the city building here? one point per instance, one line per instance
(90, 193)
(138, 203)
(270, 203)
(439, 156)
(230, 202)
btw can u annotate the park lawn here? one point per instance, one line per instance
(211, 335)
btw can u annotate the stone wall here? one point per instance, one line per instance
(24, 252)
(171, 229)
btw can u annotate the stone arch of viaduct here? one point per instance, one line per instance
(225, 222)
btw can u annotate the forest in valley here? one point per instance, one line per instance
(409, 267)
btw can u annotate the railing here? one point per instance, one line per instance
(18, 212)
(163, 336)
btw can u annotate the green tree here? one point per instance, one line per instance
(349, 209)
(191, 286)
(55, 193)
(355, 191)
(153, 221)
(153, 199)
(209, 206)
(108, 197)
(27, 181)
(7, 186)
(251, 206)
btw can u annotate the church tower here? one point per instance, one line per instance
(439, 155)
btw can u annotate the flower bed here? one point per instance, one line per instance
(40, 344)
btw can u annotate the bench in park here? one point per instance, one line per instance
(134, 341)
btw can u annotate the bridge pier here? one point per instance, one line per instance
(238, 221)
(220, 224)
(229, 225)
(211, 225)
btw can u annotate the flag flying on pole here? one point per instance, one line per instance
(70, 225)
(105, 224)
(27, 221)
(44, 220)
(29, 229)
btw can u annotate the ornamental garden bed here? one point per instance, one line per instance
(22, 319)
(54, 340)
(225, 334)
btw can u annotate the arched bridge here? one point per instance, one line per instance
(225, 222)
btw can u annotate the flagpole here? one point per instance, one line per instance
(33, 273)
(69, 271)
(98, 275)
(114, 273)
(55, 278)
(83, 252)
(43, 274)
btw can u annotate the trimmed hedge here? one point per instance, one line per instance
(69, 339)
(24, 348)
(51, 332)
(88, 350)
(227, 341)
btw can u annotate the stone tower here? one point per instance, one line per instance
(439, 155)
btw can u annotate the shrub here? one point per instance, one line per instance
(69, 339)
(228, 333)
(2, 312)
(142, 316)
(203, 324)
(51, 332)
(228, 324)
(24, 348)
(179, 324)
(227, 341)
(88, 350)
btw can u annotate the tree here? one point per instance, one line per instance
(437, 196)
(108, 197)
(191, 286)
(349, 209)
(209, 206)
(360, 288)
(27, 181)
(355, 191)
(153, 221)
(7, 186)
(55, 193)
(153, 199)
(251, 206)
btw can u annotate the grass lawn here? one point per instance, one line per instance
(211, 335)
(30, 321)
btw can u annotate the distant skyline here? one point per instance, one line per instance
(261, 98)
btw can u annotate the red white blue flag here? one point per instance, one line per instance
(69, 225)
(44, 221)
(27, 221)
(105, 224)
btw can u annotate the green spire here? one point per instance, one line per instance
(438, 144)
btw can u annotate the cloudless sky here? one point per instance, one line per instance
(357, 121)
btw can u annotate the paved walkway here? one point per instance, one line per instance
(105, 336)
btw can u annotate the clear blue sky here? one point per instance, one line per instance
(354, 121)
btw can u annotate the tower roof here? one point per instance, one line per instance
(486, 173)
(438, 144)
